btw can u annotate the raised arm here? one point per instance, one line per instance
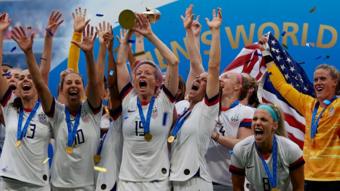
(122, 70)
(102, 29)
(25, 42)
(196, 67)
(94, 96)
(79, 24)
(171, 79)
(215, 54)
(54, 21)
(4, 24)
(112, 74)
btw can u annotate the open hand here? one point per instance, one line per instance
(216, 21)
(188, 18)
(4, 22)
(54, 22)
(79, 20)
(19, 36)
(102, 29)
(142, 25)
(88, 39)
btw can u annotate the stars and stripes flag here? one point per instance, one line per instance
(249, 60)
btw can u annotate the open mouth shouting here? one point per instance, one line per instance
(26, 87)
(258, 132)
(73, 93)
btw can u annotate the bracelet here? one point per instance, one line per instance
(42, 58)
(49, 32)
(216, 137)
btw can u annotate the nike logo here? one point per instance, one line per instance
(130, 111)
(250, 167)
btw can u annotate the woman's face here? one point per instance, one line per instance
(324, 84)
(72, 88)
(229, 83)
(263, 126)
(25, 86)
(144, 80)
(198, 88)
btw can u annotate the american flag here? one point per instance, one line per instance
(293, 73)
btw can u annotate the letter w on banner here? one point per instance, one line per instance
(249, 60)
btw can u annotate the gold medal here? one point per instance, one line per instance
(171, 139)
(97, 158)
(275, 189)
(17, 143)
(148, 137)
(69, 150)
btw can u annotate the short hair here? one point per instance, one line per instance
(158, 73)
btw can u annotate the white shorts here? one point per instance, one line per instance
(162, 185)
(9, 184)
(193, 184)
(84, 188)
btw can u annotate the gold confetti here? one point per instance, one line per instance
(46, 160)
(100, 169)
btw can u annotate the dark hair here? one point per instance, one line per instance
(182, 88)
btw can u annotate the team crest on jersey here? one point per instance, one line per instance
(42, 118)
(154, 112)
(86, 118)
(235, 118)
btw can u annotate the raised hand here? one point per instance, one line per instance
(124, 36)
(19, 36)
(196, 26)
(4, 22)
(54, 22)
(88, 39)
(142, 26)
(188, 18)
(102, 29)
(79, 20)
(216, 21)
(108, 38)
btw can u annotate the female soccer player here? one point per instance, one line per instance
(147, 115)
(191, 134)
(24, 159)
(268, 159)
(75, 125)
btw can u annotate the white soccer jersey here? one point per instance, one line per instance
(26, 162)
(143, 160)
(181, 106)
(76, 169)
(111, 156)
(192, 141)
(218, 156)
(245, 161)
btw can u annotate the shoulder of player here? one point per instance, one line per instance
(286, 144)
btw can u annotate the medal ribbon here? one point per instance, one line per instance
(272, 177)
(179, 122)
(72, 132)
(22, 132)
(146, 123)
(100, 147)
(315, 122)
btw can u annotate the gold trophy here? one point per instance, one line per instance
(127, 18)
